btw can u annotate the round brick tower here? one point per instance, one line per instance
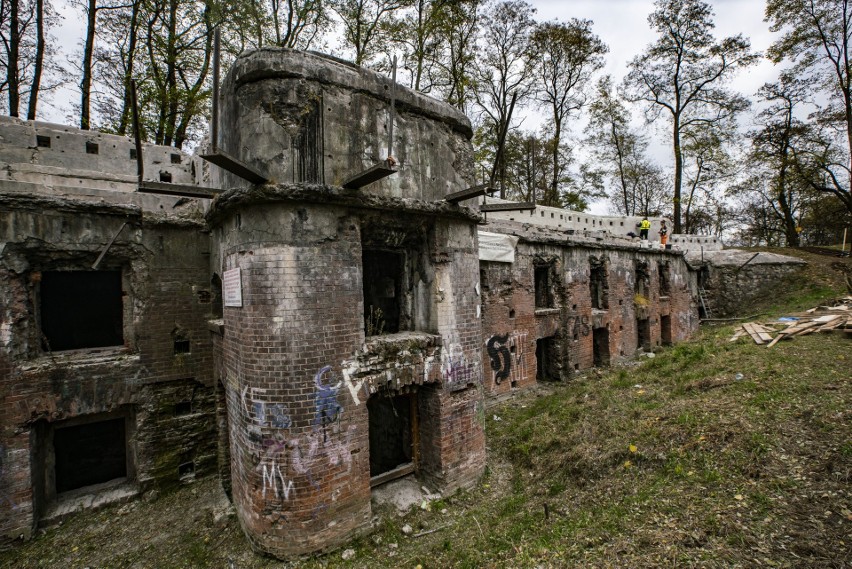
(350, 345)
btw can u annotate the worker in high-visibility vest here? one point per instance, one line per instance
(644, 226)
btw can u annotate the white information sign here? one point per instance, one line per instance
(497, 247)
(232, 288)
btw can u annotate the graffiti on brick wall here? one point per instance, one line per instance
(328, 410)
(284, 457)
(457, 369)
(262, 412)
(506, 355)
(581, 326)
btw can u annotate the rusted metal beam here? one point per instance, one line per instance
(234, 166)
(518, 206)
(370, 175)
(177, 190)
(219, 157)
(473, 192)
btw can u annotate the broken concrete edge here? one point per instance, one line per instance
(277, 63)
(528, 233)
(133, 213)
(28, 202)
(736, 257)
(334, 195)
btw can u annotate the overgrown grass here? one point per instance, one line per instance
(711, 454)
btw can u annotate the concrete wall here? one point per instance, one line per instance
(67, 167)
(304, 117)
(733, 280)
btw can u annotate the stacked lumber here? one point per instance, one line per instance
(837, 316)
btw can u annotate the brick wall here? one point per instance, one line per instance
(165, 398)
(298, 370)
(514, 318)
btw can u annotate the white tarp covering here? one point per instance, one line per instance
(497, 247)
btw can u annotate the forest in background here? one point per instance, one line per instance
(785, 179)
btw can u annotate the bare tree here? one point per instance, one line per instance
(682, 76)
(567, 54)
(367, 25)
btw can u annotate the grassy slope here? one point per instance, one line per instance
(671, 462)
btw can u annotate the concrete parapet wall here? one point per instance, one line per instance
(45, 158)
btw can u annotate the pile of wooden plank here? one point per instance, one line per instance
(838, 316)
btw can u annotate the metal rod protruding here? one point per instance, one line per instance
(392, 109)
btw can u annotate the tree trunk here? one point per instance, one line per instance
(88, 55)
(126, 110)
(678, 180)
(12, 77)
(39, 61)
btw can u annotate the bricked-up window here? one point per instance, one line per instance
(88, 454)
(666, 330)
(543, 292)
(598, 285)
(665, 279)
(600, 345)
(81, 309)
(382, 290)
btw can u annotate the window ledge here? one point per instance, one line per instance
(401, 340)
(84, 357)
(546, 311)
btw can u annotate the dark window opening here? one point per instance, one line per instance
(183, 408)
(181, 347)
(665, 282)
(91, 147)
(382, 286)
(133, 154)
(42, 141)
(600, 344)
(166, 177)
(81, 309)
(391, 432)
(666, 330)
(545, 360)
(186, 470)
(511, 313)
(543, 294)
(175, 158)
(643, 334)
(216, 305)
(88, 454)
(598, 285)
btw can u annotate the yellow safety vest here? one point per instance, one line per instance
(645, 224)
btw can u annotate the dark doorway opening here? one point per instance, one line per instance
(392, 441)
(382, 287)
(643, 334)
(545, 360)
(600, 344)
(81, 309)
(88, 454)
(666, 330)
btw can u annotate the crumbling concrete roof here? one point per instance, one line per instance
(737, 257)
(333, 195)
